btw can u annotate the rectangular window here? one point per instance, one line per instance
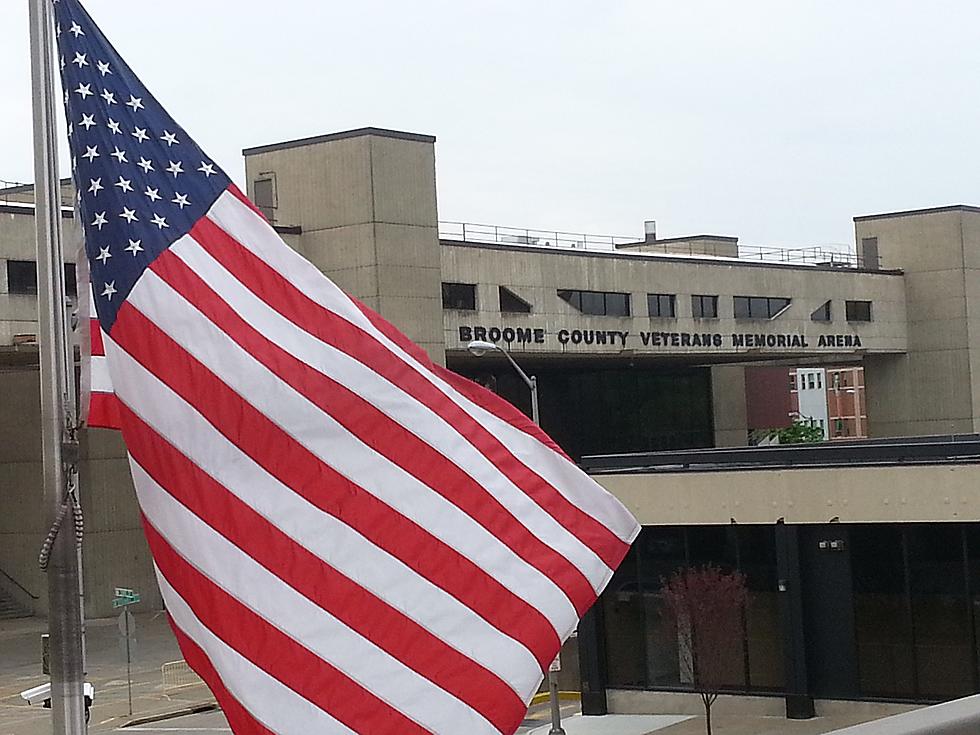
(792, 381)
(597, 303)
(758, 307)
(858, 311)
(869, 253)
(662, 305)
(22, 277)
(264, 191)
(704, 307)
(460, 296)
(511, 303)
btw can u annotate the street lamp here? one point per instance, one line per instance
(479, 348)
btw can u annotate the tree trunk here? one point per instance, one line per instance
(708, 699)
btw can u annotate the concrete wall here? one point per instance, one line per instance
(366, 203)
(852, 494)
(114, 552)
(935, 387)
(535, 274)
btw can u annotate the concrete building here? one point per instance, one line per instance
(639, 344)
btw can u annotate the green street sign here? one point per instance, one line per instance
(125, 596)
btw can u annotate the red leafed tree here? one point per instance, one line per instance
(707, 605)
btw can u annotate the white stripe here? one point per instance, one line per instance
(322, 534)
(99, 371)
(277, 707)
(316, 630)
(394, 402)
(253, 233)
(333, 444)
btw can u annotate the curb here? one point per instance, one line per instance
(542, 697)
(191, 710)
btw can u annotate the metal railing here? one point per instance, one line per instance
(819, 255)
(959, 717)
(177, 675)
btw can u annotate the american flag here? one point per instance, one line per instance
(347, 537)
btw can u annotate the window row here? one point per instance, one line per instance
(22, 278)
(462, 296)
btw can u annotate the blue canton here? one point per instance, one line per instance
(142, 182)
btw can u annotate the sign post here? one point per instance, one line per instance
(124, 597)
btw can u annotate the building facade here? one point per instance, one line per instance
(639, 345)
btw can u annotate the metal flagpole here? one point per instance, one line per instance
(57, 366)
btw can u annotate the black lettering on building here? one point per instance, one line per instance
(465, 334)
(738, 340)
(685, 339)
(508, 334)
(563, 336)
(480, 333)
(539, 336)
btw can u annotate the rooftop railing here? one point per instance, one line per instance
(819, 255)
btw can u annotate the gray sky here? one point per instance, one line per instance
(775, 121)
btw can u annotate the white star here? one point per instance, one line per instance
(140, 134)
(114, 127)
(124, 184)
(159, 221)
(71, 129)
(100, 220)
(153, 194)
(91, 152)
(103, 67)
(103, 255)
(85, 90)
(109, 97)
(110, 289)
(58, 28)
(62, 63)
(135, 247)
(181, 200)
(96, 186)
(207, 169)
(80, 60)
(87, 121)
(76, 29)
(146, 165)
(175, 168)
(135, 102)
(129, 215)
(119, 155)
(169, 138)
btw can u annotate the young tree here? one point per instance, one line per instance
(707, 606)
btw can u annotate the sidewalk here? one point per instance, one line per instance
(20, 669)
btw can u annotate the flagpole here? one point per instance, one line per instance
(58, 442)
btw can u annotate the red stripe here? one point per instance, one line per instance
(381, 433)
(350, 603)
(103, 411)
(95, 330)
(275, 290)
(300, 470)
(482, 397)
(240, 720)
(273, 651)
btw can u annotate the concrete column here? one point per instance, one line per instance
(935, 387)
(728, 405)
(361, 206)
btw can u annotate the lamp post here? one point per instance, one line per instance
(478, 348)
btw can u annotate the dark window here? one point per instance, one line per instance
(22, 277)
(823, 314)
(704, 307)
(264, 191)
(662, 305)
(600, 303)
(858, 311)
(758, 307)
(511, 303)
(869, 253)
(459, 296)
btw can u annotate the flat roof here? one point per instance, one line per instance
(660, 257)
(356, 133)
(913, 212)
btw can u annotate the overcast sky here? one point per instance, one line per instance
(775, 121)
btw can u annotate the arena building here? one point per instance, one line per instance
(641, 347)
